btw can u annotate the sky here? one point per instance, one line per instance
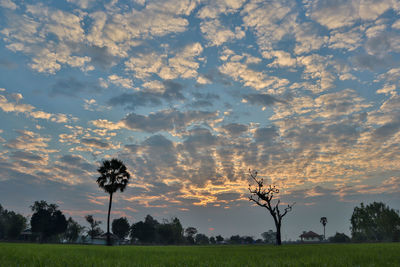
(190, 95)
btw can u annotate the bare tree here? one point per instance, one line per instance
(263, 196)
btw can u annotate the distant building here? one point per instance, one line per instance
(310, 236)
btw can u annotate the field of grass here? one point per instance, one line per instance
(12, 254)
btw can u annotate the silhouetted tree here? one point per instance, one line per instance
(94, 229)
(190, 233)
(212, 240)
(120, 227)
(113, 177)
(11, 224)
(73, 231)
(263, 195)
(145, 232)
(47, 220)
(170, 232)
(375, 222)
(201, 239)
(219, 238)
(248, 239)
(269, 237)
(235, 239)
(324, 221)
(339, 238)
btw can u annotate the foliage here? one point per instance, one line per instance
(73, 231)
(120, 227)
(94, 229)
(145, 232)
(190, 233)
(219, 239)
(11, 224)
(339, 238)
(47, 220)
(263, 196)
(212, 240)
(269, 237)
(113, 177)
(330, 255)
(201, 239)
(152, 232)
(375, 222)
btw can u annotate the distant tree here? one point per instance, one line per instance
(11, 224)
(171, 232)
(269, 237)
(190, 233)
(145, 232)
(263, 196)
(339, 238)
(94, 229)
(120, 227)
(219, 238)
(2, 223)
(248, 239)
(324, 221)
(212, 240)
(73, 230)
(375, 222)
(201, 239)
(235, 239)
(113, 176)
(47, 220)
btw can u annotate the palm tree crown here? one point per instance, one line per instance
(113, 176)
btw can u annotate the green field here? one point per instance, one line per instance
(247, 255)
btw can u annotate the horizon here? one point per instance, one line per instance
(190, 95)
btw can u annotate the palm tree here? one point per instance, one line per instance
(113, 177)
(324, 221)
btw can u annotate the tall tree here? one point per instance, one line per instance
(375, 222)
(324, 221)
(120, 227)
(113, 176)
(263, 196)
(47, 220)
(94, 229)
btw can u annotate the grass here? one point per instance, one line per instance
(386, 254)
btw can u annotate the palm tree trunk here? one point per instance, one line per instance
(108, 222)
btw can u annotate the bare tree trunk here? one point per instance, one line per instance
(278, 234)
(324, 233)
(108, 222)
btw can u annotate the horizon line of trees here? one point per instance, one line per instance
(375, 222)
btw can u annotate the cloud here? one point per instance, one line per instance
(28, 110)
(235, 129)
(30, 141)
(166, 120)
(72, 87)
(261, 99)
(172, 91)
(8, 4)
(342, 13)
